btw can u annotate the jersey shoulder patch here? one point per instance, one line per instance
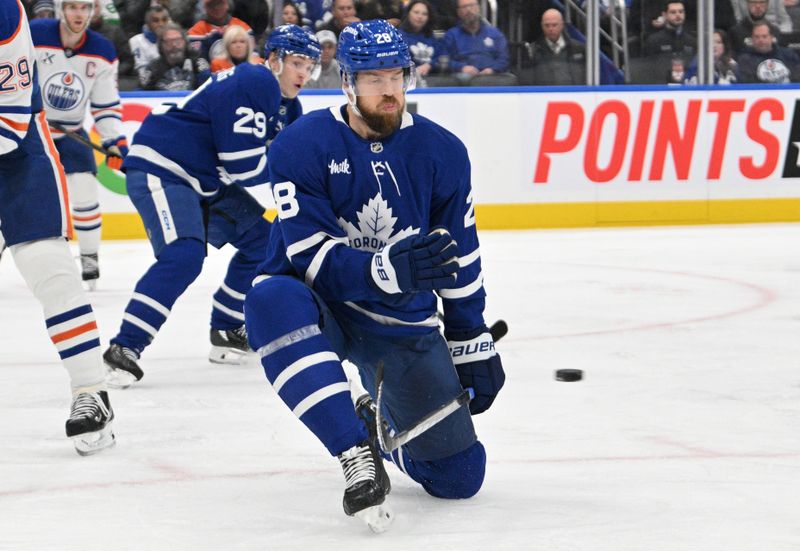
(98, 45)
(45, 33)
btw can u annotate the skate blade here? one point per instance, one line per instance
(91, 284)
(229, 356)
(90, 443)
(377, 518)
(119, 378)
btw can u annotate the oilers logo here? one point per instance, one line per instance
(63, 90)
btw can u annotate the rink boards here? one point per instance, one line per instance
(582, 157)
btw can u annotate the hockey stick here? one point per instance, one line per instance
(390, 442)
(78, 138)
(498, 329)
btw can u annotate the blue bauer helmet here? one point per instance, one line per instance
(293, 40)
(373, 45)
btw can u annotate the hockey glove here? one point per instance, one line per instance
(117, 150)
(478, 365)
(416, 263)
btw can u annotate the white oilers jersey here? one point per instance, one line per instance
(71, 79)
(19, 93)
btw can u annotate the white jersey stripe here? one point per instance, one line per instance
(463, 292)
(432, 321)
(302, 364)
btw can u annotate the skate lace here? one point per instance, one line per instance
(86, 405)
(88, 262)
(240, 332)
(130, 354)
(358, 465)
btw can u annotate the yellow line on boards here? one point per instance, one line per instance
(128, 225)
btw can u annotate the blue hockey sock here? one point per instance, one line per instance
(456, 477)
(176, 268)
(228, 302)
(300, 362)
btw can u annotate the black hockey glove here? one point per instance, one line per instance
(478, 365)
(416, 263)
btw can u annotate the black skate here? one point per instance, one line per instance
(229, 346)
(89, 423)
(90, 270)
(366, 486)
(123, 370)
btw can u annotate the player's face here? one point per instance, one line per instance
(76, 16)
(297, 71)
(381, 100)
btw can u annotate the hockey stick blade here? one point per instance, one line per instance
(390, 442)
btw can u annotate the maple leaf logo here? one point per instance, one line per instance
(375, 226)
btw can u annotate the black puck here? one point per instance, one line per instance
(569, 375)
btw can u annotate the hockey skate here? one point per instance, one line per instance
(89, 423)
(366, 486)
(229, 346)
(122, 368)
(90, 270)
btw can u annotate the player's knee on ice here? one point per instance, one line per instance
(277, 306)
(458, 476)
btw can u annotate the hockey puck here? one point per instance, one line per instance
(569, 375)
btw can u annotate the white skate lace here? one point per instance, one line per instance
(358, 465)
(240, 332)
(88, 263)
(130, 354)
(86, 405)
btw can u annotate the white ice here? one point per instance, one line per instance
(684, 435)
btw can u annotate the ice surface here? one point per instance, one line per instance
(683, 435)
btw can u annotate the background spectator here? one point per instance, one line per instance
(329, 76)
(673, 41)
(290, 14)
(44, 9)
(144, 46)
(417, 30)
(237, 47)
(254, 12)
(772, 10)
(478, 51)
(178, 67)
(390, 10)
(205, 36)
(555, 59)
(114, 33)
(740, 33)
(726, 70)
(765, 61)
(344, 13)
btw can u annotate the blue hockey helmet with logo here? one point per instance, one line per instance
(291, 39)
(371, 45)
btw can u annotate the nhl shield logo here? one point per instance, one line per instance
(376, 147)
(63, 91)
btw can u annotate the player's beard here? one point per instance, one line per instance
(383, 124)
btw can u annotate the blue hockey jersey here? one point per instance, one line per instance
(215, 136)
(341, 198)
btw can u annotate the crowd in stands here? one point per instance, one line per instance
(176, 44)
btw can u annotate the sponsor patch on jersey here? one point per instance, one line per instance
(339, 168)
(63, 90)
